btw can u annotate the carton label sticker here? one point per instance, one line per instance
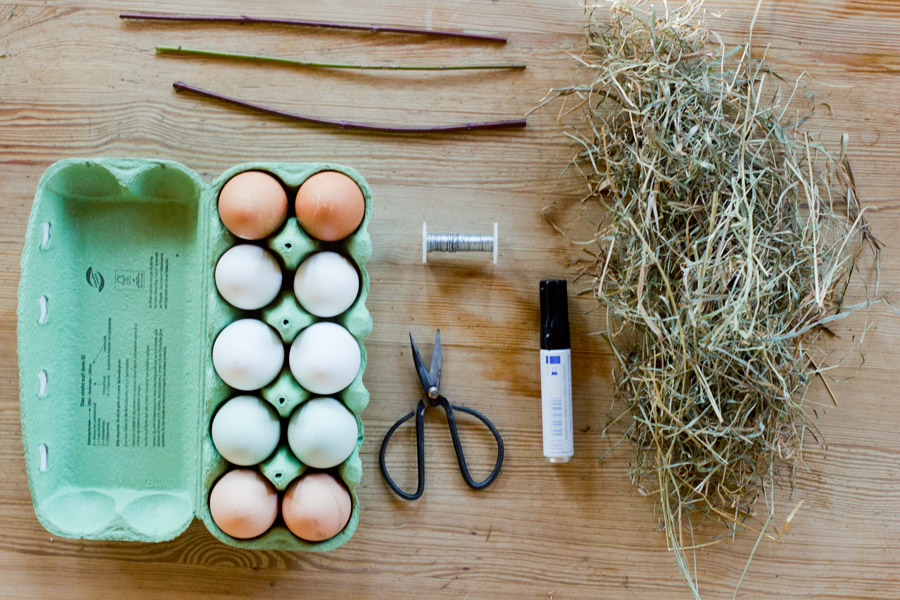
(124, 387)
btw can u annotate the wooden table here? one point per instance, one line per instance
(76, 81)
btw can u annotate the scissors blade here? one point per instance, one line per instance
(435, 372)
(424, 377)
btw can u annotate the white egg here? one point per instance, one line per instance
(248, 277)
(325, 358)
(326, 284)
(248, 354)
(322, 433)
(246, 430)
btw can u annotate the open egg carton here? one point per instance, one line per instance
(118, 314)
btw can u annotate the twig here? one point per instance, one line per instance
(510, 124)
(321, 65)
(242, 19)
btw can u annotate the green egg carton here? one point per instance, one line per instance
(117, 315)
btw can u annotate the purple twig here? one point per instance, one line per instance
(273, 21)
(515, 123)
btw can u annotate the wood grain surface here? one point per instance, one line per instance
(77, 81)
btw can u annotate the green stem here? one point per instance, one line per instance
(321, 65)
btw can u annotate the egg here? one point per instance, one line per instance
(324, 358)
(330, 206)
(322, 433)
(316, 507)
(246, 430)
(243, 503)
(248, 354)
(252, 205)
(326, 284)
(248, 277)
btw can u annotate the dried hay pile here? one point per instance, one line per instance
(728, 241)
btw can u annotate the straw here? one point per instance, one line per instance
(727, 244)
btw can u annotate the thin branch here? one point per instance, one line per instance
(320, 65)
(510, 124)
(303, 23)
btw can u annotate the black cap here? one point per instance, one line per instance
(554, 315)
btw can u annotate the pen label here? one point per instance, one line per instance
(556, 403)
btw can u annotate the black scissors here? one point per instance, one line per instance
(431, 383)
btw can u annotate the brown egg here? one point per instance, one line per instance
(252, 205)
(316, 507)
(243, 503)
(330, 206)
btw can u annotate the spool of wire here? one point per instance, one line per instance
(458, 242)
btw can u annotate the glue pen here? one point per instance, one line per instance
(556, 372)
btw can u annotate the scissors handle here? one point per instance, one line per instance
(420, 453)
(457, 446)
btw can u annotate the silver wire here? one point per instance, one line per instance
(459, 242)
